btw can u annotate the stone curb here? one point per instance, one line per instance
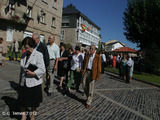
(157, 85)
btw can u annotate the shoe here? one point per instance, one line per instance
(88, 106)
(48, 94)
(68, 89)
(78, 91)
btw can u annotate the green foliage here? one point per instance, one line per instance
(142, 22)
(99, 47)
(145, 77)
(152, 61)
(20, 45)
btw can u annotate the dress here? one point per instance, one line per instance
(123, 67)
(61, 70)
(131, 71)
(114, 61)
(30, 97)
(1, 49)
(30, 94)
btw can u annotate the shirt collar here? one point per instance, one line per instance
(37, 45)
(92, 55)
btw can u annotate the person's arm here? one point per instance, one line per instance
(46, 57)
(99, 69)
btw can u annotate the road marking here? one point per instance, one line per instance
(125, 107)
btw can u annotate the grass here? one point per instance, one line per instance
(145, 77)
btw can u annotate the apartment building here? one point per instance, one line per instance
(22, 18)
(78, 28)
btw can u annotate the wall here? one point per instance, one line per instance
(50, 9)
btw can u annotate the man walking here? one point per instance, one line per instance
(54, 54)
(43, 49)
(15, 47)
(91, 73)
(129, 65)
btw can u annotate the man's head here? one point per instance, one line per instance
(129, 55)
(35, 37)
(14, 40)
(92, 49)
(51, 39)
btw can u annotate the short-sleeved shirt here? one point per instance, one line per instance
(53, 51)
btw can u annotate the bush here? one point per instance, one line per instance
(152, 61)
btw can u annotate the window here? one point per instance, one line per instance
(27, 34)
(29, 13)
(42, 38)
(65, 21)
(62, 35)
(65, 24)
(43, 18)
(11, 9)
(10, 34)
(54, 3)
(53, 21)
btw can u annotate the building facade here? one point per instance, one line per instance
(22, 18)
(112, 45)
(78, 28)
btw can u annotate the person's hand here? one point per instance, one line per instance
(30, 73)
(60, 59)
(55, 67)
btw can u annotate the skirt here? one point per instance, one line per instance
(30, 97)
(2, 57)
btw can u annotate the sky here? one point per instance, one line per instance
(108, 15)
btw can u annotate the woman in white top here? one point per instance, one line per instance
(76, 65)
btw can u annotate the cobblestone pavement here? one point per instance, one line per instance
(113, 100)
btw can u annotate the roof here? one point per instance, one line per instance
(113, 42)
(70, 9)
(125, 49)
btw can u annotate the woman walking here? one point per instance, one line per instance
(123, 66)
(32, 70)
(3, 50)
(62, 64)
(76, 65)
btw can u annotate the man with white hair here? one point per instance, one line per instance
(43, 49)
(129, 65)
(91, 72)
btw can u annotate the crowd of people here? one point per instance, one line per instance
(126, 64)
(39, 63)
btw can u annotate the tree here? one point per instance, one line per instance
(142, 22)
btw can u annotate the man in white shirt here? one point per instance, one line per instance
(91, 73)
(129, 65)
(54, 54)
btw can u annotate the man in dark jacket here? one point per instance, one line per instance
(43, 49)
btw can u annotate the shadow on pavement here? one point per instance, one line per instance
(13, 107)
(15, 86)
(113, 77)
(12, 103)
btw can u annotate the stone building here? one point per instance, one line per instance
(78, 28)
(21, 18)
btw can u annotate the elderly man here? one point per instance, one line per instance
(91, 73)
(15, 47)
(54, 54)
(43, 49)
(129, 68)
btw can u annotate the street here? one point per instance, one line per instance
(113, 99)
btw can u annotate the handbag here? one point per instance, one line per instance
(65, 64)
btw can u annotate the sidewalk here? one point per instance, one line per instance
(113, 100)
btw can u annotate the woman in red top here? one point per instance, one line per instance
(114, 61)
